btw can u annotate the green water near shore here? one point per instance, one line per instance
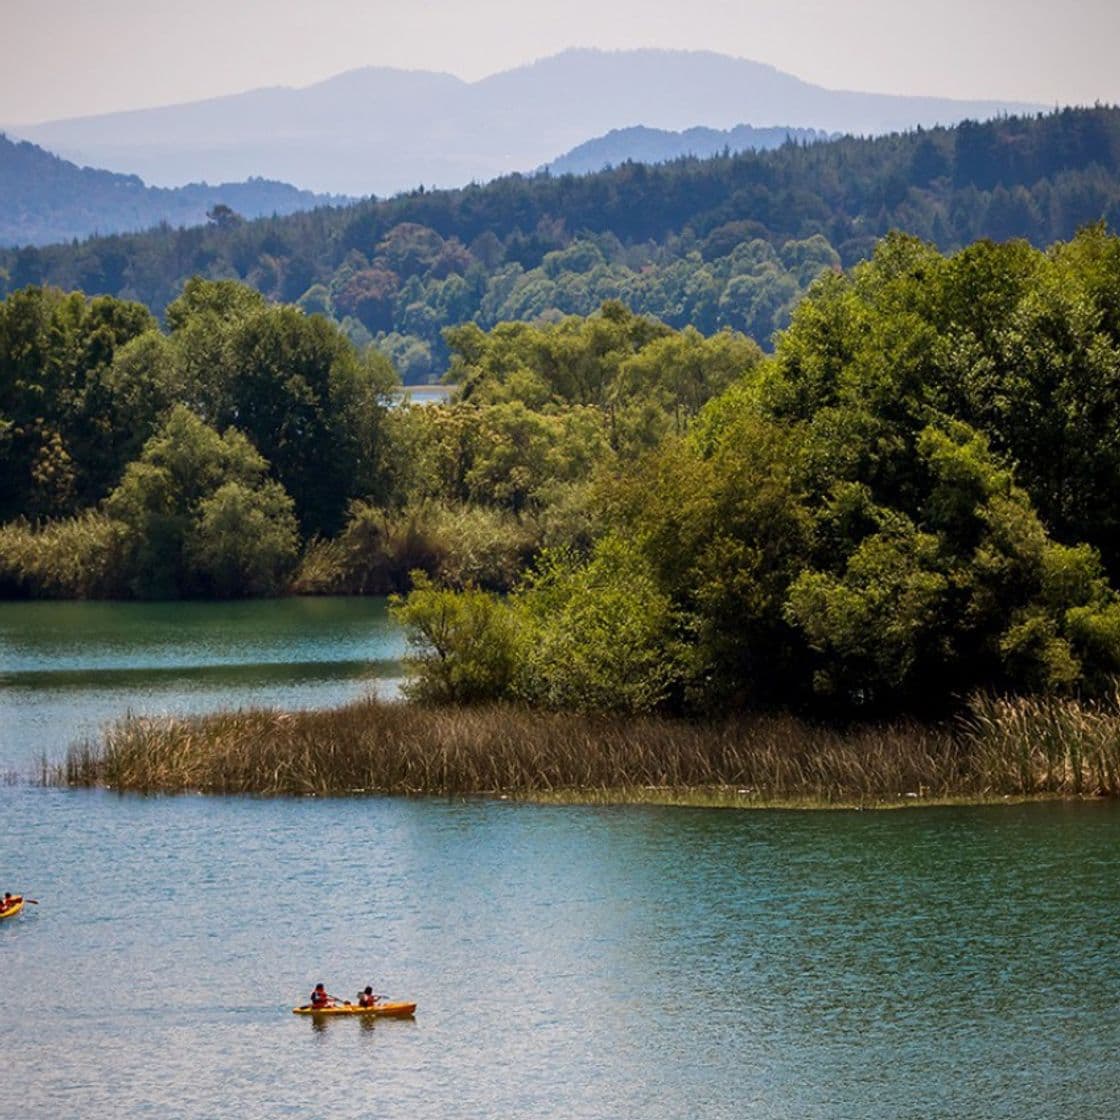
(68, 668)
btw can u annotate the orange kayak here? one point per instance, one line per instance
(398, 1010)
(13, 910)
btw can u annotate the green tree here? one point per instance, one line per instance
(599, 634)
(58, 438)
(295, 386)
(243, 540)
(184, 504)
(465, 645)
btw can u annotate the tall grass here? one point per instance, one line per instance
(401, 748)
(1032, 745)
(74, 558)
(1001, 748)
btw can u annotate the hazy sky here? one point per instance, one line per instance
(73, 57)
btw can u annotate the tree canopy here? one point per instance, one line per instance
(731, 241)
(913, 497)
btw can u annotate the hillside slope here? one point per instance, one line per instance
(44, 199)
(732, 241)
(659, 145)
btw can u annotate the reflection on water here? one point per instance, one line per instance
(97, 636)
(68, 668)
(320, 1024)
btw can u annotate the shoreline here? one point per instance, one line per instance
(716, 798)
(709, 797)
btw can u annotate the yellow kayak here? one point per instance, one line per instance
(398, 1010)
(12, 910)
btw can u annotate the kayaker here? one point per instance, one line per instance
(367, 998)
(9, 900)
(320, 998)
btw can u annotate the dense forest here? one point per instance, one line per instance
(913, 497)
(732, 241)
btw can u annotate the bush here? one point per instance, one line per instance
(460, 546)
(75, 558)
(198, 514)
(481, 546)
(600, 634)
(466, 645)
(244, 541)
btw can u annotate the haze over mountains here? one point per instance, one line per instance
(45, 199)
(657, 145)
(380, 130)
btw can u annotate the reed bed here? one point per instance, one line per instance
(1045, 745)
(1000, 748)
(73, 558)
(373, 746)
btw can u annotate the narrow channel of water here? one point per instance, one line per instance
(68, 668)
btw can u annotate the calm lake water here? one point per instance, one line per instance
(567, 962)
(67, 668)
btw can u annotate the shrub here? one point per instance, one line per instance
(460, 546)
(600, 634)
(77, 557)
(244, 541)
(466, 644)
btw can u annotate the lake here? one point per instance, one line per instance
(567, 961)
(67, 668)
(425, 394)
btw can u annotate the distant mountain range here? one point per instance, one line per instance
(45, 199)
(380, 130)
(657, 145)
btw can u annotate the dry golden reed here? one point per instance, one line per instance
(372, 746)
(1044, 745)
(1019, 747)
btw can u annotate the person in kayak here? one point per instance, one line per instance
(320, 998)
(367, 998)
(9, 900)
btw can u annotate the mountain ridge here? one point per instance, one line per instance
(658, 145)
(381, 130)
(46, 199)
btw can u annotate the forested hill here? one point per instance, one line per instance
(728, 241)
(640, 144)
(44, 199)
